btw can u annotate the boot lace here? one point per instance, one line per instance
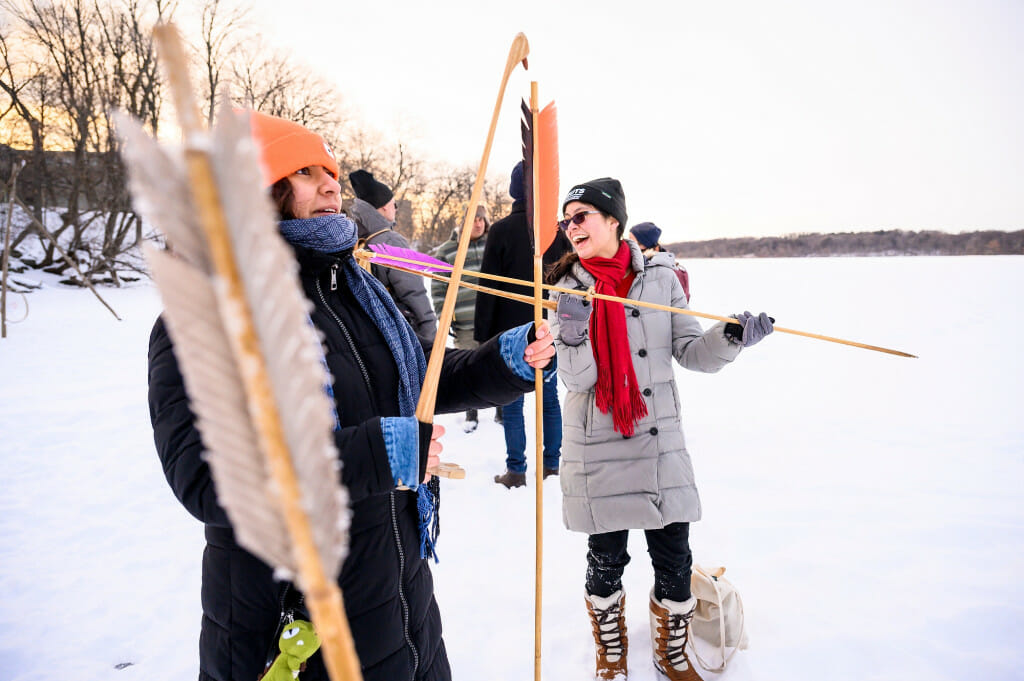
(676, 633)
(610, 638)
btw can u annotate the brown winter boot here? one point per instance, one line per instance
(608, 618)
(670, 627)
(511, 479)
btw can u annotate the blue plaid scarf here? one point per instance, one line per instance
(336, 233)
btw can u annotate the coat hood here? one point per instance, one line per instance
(369, 219)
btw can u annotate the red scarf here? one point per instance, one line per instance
(617, 389)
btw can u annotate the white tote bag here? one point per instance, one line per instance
(718, 618)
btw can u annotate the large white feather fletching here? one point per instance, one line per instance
(200, 324)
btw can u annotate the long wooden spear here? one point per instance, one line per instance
(410, 264)
(428, 393)
(251, 362)
(541, 154)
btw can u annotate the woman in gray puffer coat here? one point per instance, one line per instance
(624, 460)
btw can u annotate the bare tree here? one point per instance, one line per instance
(221, 24)
(85, 59)
(442, 206)
(24, 106)
(66, 64)
(267, 80)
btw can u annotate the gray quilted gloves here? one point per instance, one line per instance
(748, 329)
(573, 318)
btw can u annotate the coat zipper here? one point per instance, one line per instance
(391, 496)
(401, 588)
(344, 329)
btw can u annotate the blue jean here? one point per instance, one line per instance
(515, 429)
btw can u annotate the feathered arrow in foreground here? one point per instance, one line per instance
(250, 358)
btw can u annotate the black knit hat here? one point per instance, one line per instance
(604, 194)
(368, 189)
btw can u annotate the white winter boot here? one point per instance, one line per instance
(670, 628)
(608, 618)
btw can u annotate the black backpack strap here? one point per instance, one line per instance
(361, 243)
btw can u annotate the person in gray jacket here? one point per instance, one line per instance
(624, 461)
(374, 211)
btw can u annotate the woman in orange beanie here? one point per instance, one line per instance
(377, 366)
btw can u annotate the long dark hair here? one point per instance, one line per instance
(564, 265)
(281, 194)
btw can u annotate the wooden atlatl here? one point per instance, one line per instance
(428, 393)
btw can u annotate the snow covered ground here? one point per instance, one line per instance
(867, 507)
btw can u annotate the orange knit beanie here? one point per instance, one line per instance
(286, 147)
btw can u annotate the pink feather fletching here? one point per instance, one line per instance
(422, 262)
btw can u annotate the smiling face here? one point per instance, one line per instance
(596, 236)
(315, 192)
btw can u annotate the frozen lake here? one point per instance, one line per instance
(867, 507)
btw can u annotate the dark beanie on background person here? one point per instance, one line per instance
(647, 234)
(604, 194)
(515, 187)
(369, 189)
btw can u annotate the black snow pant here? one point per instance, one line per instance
(669, 549)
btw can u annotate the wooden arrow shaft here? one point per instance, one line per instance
(625, 301)
(538, 392)
(322, 593)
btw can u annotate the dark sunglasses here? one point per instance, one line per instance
(576, 219)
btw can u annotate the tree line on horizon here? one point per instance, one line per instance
(873, 243)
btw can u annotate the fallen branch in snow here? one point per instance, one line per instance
(39, 227)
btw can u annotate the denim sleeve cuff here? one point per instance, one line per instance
(401, 440)
(513, 345)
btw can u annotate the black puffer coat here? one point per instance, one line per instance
(389, 594)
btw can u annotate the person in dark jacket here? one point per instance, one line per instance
(377, 369)
(374, 210)
(509, 253)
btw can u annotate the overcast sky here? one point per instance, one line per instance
(720, 118)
